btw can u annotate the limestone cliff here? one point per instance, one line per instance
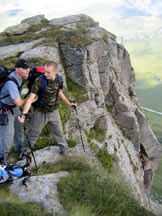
(90, 56)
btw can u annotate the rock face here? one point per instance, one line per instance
(14, 50)
(104, 69)
(45, 186)
(24, 25)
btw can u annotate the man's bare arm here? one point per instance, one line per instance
(32, 98)
(63, 98)
(19, 102)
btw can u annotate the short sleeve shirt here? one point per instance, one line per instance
(50, 97)
(10, 88)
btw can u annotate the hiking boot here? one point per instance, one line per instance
(24, 154)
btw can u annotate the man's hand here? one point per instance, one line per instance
(21, 118)
(74, 105)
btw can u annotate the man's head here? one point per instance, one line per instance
(50, 70)
(22, 68)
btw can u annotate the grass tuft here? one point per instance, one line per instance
(104, 194)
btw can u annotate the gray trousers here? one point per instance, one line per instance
(38, 121)
(12, 131)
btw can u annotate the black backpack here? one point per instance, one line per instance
(4, 77)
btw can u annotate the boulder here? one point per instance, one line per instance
(65, 20)
(45, 52)
(41, 189)
(70, 26)
(96, 33)
(121, 106)
(49, 154)
(17, 29)
(127, 120)
(34, 20)
(147, 137)
(24, 25)
(14, 50)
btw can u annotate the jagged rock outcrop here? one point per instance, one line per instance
(103, 68)
(66, 20)
(24, 25)
(14, 50)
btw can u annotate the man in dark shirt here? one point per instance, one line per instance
(48, 112)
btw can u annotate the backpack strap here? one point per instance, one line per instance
(43, 84)
(59, 79)
(42, 92)
(10, 78)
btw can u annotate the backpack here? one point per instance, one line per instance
(34, 73)
(10, 172)
(4, 77)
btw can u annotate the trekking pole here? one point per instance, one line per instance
(30, 174)
(30, 146)
(79, 125)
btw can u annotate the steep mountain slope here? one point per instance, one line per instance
(146, 55)
(96, 71)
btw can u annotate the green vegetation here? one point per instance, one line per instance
(88, 21)
(27, 37)
(156, 125)
(74, 38)
(109, 108)
(151, 97)
(81, 210)
(157, 187)
(102, 155)
(155, 122)
(105, 158)
(64, 111)
(71, 143)
(105, 38)
(35, 61)
(70, 164)
(124, 132)
(97, 132)
(9, 62)
(98, 191)
(11, 205)
(86, 191)
(92, 191)
(135, 168)
(146, 58)
(38, 27)
(76, 91)
(110, 137)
